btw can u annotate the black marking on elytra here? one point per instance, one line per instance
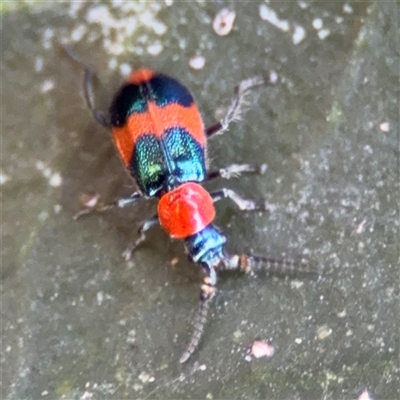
(166, 90)
(129, 100)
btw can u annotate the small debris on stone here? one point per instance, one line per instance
(145, 377)
(360, 227)
(365, 395)
(323, 332)
(299, 34)
(324, 33)
(197, 62)
(131, 338)
(174, 261)
(317, 23)
(89, 200)
(261, 348)
(47, 86)
(268, 14)
(384, 127)
(223, 22)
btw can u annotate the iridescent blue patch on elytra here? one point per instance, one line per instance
(176, 158)
(147, 165)
(186, 155)
(166, 90)
(130, 99)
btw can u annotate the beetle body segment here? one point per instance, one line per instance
(186, 210)
(158, 131)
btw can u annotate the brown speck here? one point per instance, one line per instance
(174, 261)
(323, 332)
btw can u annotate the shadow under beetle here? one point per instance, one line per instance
(161, 139)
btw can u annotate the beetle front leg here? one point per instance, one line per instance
(235, 170)
(92, 203)
(235, 109)
(144, 227)
(243, 204)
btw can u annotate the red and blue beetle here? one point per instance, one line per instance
(161, 139)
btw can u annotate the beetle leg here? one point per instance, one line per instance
(239, 100)
(243, 204)
(144, 227)
(234, 171)
(92, 203)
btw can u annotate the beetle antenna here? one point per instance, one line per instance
(249, 264)
(89, 77)
(207, 292)
(204, 306)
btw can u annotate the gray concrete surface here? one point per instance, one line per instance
(79, 322)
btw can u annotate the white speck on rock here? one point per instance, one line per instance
(261, 348)
(145, 377)
(347, 8)
(298, 35)
(197, 62)
(317, 23)
(268, 14)
(125, 69)
(155, 49)
(223, 22)
(324, 33)
(323, 332)
(55, 180)
(47, 86)
(384, 126)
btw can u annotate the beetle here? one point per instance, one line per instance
(160, 137)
